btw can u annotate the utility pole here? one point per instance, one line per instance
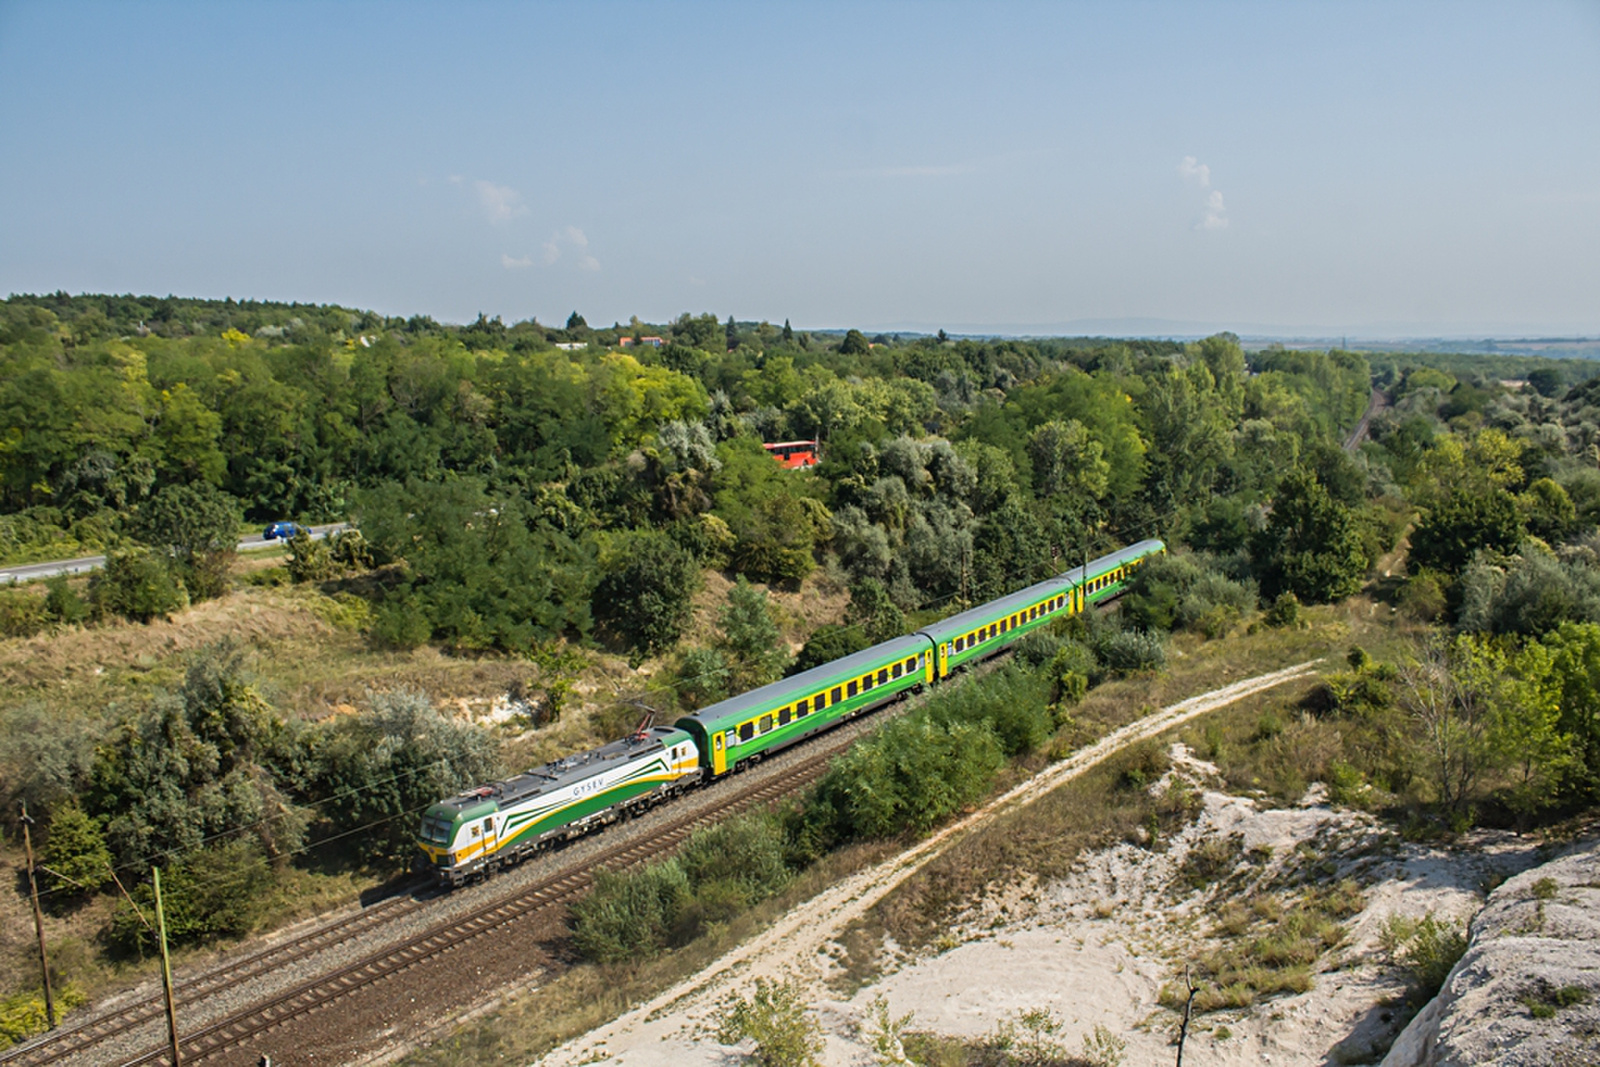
(38, 919)
(166, 971)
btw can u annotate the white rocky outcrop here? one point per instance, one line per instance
(1528, 989)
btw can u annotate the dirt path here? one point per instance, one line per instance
(668, 1029)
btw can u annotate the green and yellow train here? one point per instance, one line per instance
(495, 825)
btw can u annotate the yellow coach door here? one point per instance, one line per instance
(719, 758)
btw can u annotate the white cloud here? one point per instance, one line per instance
(1191, 169)
(515, 264)
(570, 238)
(1213, 215)
(500, 203)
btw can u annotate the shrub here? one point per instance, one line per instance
(22, 1015)
(631, 915)
(774, 1016)
(308, 560)
(828, 642)
(885, 1032)
(75, 851)
(1131, 651)
(1284, 613)
(1423, 597)
(22, 613)
(1425, 950)
(908, 775)
(1012, 702)
(213, 893)
(1031, 1037)
(745, 851)
(400, 623)
(1102, 1048)
(63, 604)
(137, 584)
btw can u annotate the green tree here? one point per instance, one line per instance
(1310, 546)
(854, 344)
(388, 762)
(1550, 511)
(75, 851)
(703, 676)
(1464, 522)
(751, 637)
(1574, 649)
(481, 570)
(216, 892)
(874, 612)
(45, 756)
(645, 592)
(185, 438)
(828, 642)
(190, 766)
(1066, 460)
(197, 526)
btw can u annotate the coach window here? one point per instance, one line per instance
(765, 724)
(961, 644)
(898, 670)
(747, 730)
(801, 709)
(836, 696)
(852, 689)
(784, 715)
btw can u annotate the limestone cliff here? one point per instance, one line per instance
(1527, 992)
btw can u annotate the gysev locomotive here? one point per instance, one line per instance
(501, 823)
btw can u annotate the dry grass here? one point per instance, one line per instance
(821, 598)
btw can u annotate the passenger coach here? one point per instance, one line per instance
(764, 720)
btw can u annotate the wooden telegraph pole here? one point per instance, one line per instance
(166, 971)
(38, 919)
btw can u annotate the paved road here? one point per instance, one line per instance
(29, 572)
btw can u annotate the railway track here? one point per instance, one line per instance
(63, 1043)
(556, 890)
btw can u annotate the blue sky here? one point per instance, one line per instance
(1343, 167)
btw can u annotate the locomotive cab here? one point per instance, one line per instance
(459, 832)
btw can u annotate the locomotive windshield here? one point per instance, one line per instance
(436, 828)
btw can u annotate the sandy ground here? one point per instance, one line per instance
(1094, 948)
